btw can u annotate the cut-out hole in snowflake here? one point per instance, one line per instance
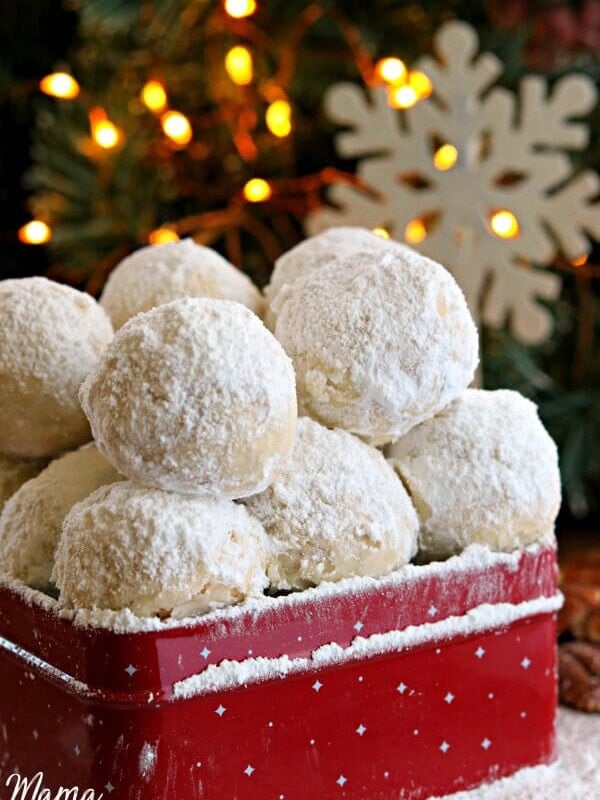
(510, 156)
(415, 180)
(510, 177)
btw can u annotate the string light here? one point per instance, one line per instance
(257, 190)
(238, 9)
(60, 84)
(239, 66)
(154, 96)
(580, 260)
(415, 232)
(383, 233)
(420, 83)
(402, 96)
(391, 70)
(163, 236)
(177, 127)
(35, 232)
(445, 157)
(278, 118)
(104, 132)
(504, 224)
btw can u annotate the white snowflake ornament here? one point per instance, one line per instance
(504, 195)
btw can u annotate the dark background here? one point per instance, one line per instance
(34, 36)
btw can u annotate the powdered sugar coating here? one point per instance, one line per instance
(31, 521)
(336, 510)
(484, 470)
(14, 472)
(160, 273)
(127, 546)
(194, 396)
(379, 341)
(51, 338)
(316, 251)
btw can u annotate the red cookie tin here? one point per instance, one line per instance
(434, 679)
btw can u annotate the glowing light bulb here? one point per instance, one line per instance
(580, 260)
(177, 127)
(154, 96)
(415, 231)
(60, 84)
(35, 232)
(504, 224)
(104, 132)
(383, 233)
(257, 190)
(106, 135)
(420, 83)
(239, 66)
(402, 96)
(163, 236)
(238, 9)
(278, 118)
(391, 70)
(445, 157)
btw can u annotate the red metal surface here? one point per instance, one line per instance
(353, 737)
(100, 658)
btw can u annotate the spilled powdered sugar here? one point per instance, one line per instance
(230, 674)
(147, 761)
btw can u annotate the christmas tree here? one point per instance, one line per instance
(190, 118)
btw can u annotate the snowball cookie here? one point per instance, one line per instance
(336, 510)
(160, 273)
(484, 471)
(379, 342)
(155, 552)
(13, 474)
(316, 251)
(31, 520)
(194, 396)
(51, 338)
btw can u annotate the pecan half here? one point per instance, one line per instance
(579, 675)
(580, 584)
